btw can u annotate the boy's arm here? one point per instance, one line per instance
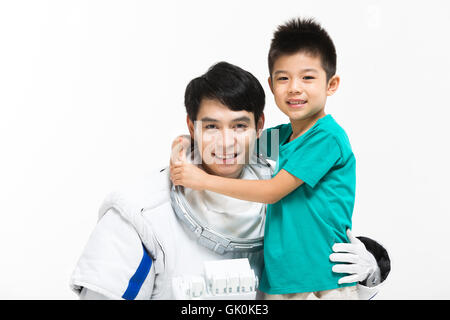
(265, 191)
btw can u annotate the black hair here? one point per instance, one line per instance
(381, 256)
(303, 35)
(230, 85)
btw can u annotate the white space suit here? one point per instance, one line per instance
(140, 244)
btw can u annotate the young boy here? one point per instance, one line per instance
(311, 194)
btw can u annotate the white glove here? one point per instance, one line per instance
(359, 263)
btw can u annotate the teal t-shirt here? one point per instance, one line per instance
(302, 227)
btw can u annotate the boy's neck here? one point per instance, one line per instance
(299, 127)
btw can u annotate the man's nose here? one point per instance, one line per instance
(227, 139)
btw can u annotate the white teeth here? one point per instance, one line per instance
(225, 157)
(296, 102)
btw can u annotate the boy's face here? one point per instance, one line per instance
(224, 137)
(300, 87)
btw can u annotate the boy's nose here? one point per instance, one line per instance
(295, 87)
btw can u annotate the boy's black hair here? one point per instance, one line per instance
(307, 36)
(230, 85)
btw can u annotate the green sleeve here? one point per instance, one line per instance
(314, 157)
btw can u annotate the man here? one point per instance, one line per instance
(141, 242)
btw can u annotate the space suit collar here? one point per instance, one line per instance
(221, 223)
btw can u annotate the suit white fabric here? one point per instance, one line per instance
(141, 215)
(139, 245)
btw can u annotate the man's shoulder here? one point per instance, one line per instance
(147, 190)
(147, 182)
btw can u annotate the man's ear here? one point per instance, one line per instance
(269, 80)
(260, 125)
(333, 85)
(190, 126)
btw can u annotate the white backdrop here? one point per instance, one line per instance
(91, 94)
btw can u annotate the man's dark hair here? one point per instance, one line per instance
(230, 85)
(306, 36)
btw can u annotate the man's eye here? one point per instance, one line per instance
(282, 78)
(210, 126)
(241, 126)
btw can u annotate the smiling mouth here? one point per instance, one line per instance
(225, 158)
(297, 103)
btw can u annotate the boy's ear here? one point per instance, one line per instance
(190, 125)
(260, 125)
(333, 85)
(269, 80)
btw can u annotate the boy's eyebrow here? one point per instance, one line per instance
(301, 71)
(309, 70)
(278, 72)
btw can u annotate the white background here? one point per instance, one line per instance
(91, 94)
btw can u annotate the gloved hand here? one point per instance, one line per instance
(355, 260)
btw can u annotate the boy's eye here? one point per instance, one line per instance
(308, 77)
(282, 78)
(210, 126)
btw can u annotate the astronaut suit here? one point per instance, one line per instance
(150, 234)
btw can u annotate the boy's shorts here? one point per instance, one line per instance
(345, 293)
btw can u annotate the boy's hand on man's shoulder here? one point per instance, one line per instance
(188, 175)
(180, 145)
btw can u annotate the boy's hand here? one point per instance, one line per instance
(188, 175)
(179, 147)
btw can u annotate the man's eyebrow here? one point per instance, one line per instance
(207, 119)
(243, 118)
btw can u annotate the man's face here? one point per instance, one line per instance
(300, 87)
(225, 138)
